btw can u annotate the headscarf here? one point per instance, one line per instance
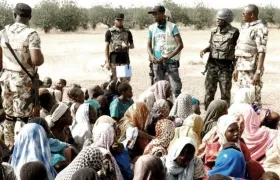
(57, 114)
(214, 111)
(164, 134)
(85, 174)
(148, 167)
(32, 145)
(103, 119)
(173, 169)
(159, 89)
(192, 127)
(137, 116)
(258, 139)
(81, 128)
(104, 139)
(182, 107)
(244, 96)
(89, 157)
(230, 162)
(223, 123)
(160, 109)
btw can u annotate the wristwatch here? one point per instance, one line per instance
(258, 72)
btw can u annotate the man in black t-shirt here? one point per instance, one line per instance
(118, 42)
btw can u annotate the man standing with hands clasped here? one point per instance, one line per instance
(250, 52)
(164, 47)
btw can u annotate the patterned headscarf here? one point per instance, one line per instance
(164, 134)
(182, 107)
(214, 111)
(103, 139)
(137, 115)
(89, 157)
(159, 89)
(160, 109)
(32, 145)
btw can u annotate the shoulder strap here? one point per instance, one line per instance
(13, 53)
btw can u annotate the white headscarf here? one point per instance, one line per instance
(57, 114)
(81, 129)
(223, 123)
(244, 96)
(172, 167)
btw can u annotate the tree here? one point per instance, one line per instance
(45, 15)
(69, 16)
(101, 14)
(84, 18)
(6, 14)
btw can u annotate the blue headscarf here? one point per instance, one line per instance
(32, 145)
(230, 162)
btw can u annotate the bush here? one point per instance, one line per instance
(45, 15)
(84, 18)
(68, 18)
(101, 14)
(6, 14)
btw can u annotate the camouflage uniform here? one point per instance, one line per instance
(252, 41)
(15, 83)
(118, 38)
(220, 67)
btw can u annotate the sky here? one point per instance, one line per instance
(127, 3)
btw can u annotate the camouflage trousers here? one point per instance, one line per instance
(221, 74)
(245, 79)
(113, 75)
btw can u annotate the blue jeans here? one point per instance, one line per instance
(173, 73)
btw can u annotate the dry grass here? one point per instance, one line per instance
(78, 57)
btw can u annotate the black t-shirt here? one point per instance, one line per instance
(118, 57)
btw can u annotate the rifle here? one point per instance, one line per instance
(206, 66)
(35, 88)
(151, 73)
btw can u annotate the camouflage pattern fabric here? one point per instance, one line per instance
(113, 75)
(221, 74)
(9, 127)
(16, 92)
(245, 79)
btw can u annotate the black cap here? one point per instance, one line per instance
(157, 9)
(119, 16)
(23, 10)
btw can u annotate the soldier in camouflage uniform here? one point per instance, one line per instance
(118, 42)
(221, 59)
(250, 52)
(15, 83)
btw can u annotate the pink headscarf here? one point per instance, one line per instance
(258, 139)
(159, 89)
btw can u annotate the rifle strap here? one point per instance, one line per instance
(14, 54)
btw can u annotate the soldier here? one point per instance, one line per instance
(221, 58)
(164, 47)
(250, 52)
(15, 83)
(118, 42)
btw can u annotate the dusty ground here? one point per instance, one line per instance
(78, 57)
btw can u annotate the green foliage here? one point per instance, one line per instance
(69, 16)
(179, 13)
(84, 18)
(101, 14)
(45, 15)
(6, 14)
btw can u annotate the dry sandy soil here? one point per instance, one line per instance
(78, 57)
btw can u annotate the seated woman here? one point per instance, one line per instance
(160, 90)
(247, 96)
(119, 105)
(81, 128)
(103, 139)
(46, 101)
(160, 111)
(230, 162)
(164, 134)
(85, 174)
(196, 106)
(215, 110)
(132, 129)
(148, 167)
(182, 108)
(61, 153)
(32, 145)
(192, 127)
(58, 122)
(89, 157)
(181, 162)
